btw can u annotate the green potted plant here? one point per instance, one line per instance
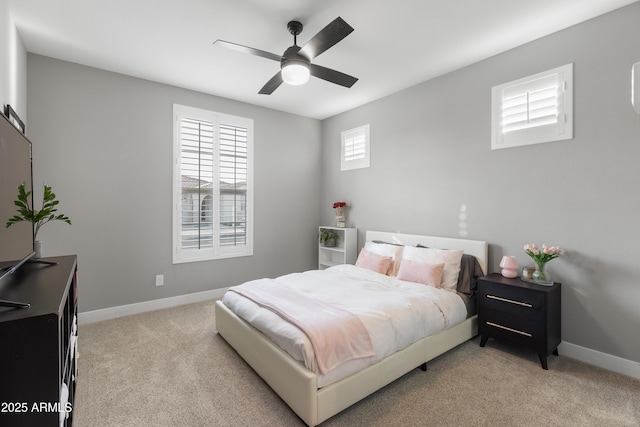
(328, 237)
(37, 217)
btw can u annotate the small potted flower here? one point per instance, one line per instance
(541, 257)
(339, 207)
(328, 237)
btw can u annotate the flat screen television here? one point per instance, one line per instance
(16, 242)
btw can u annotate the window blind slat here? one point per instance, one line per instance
(233, 171)
(530, 104)
(196, 141)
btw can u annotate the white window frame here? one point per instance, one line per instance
(217, 250)
(355, 148)
(518, 118)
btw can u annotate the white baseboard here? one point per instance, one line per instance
(602, 360)
(141, 307)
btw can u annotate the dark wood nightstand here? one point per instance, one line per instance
(522, 312)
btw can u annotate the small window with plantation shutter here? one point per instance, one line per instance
(533, 109)
(355, 148)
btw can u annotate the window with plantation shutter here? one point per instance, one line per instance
(355, 148)
(534, 109)
(212, 185)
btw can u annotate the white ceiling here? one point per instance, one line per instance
(396, 43)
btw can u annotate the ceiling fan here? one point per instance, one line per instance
(295, 63)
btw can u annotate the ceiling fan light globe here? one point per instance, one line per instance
(295, 73)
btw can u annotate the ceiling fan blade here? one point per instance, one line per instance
(332, 76)
(273, 84)
(246, 49)
(327, 37)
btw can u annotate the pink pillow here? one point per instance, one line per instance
(371, 261)
(386, 249)
(421, 272)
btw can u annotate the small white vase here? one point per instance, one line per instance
(37, 247)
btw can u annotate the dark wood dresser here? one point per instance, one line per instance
(38, 351)
(522, 312)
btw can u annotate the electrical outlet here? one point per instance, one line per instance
(159, 279)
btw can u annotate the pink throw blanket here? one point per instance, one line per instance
(336, 335)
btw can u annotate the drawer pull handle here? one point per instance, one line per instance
(524, 304)
(509, 329)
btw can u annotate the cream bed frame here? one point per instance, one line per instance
(296, 385)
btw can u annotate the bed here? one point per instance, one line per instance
(316, 396)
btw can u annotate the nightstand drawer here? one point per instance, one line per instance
(512, 300)
(526, 331)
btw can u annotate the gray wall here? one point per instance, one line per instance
(104, 143)
(430, 154)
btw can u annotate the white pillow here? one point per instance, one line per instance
(385, 249)
(450, 258)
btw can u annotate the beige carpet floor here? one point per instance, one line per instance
(171, 368)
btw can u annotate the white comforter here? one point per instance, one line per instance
(396, 313)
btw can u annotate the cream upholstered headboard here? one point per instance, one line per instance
(477, 248)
